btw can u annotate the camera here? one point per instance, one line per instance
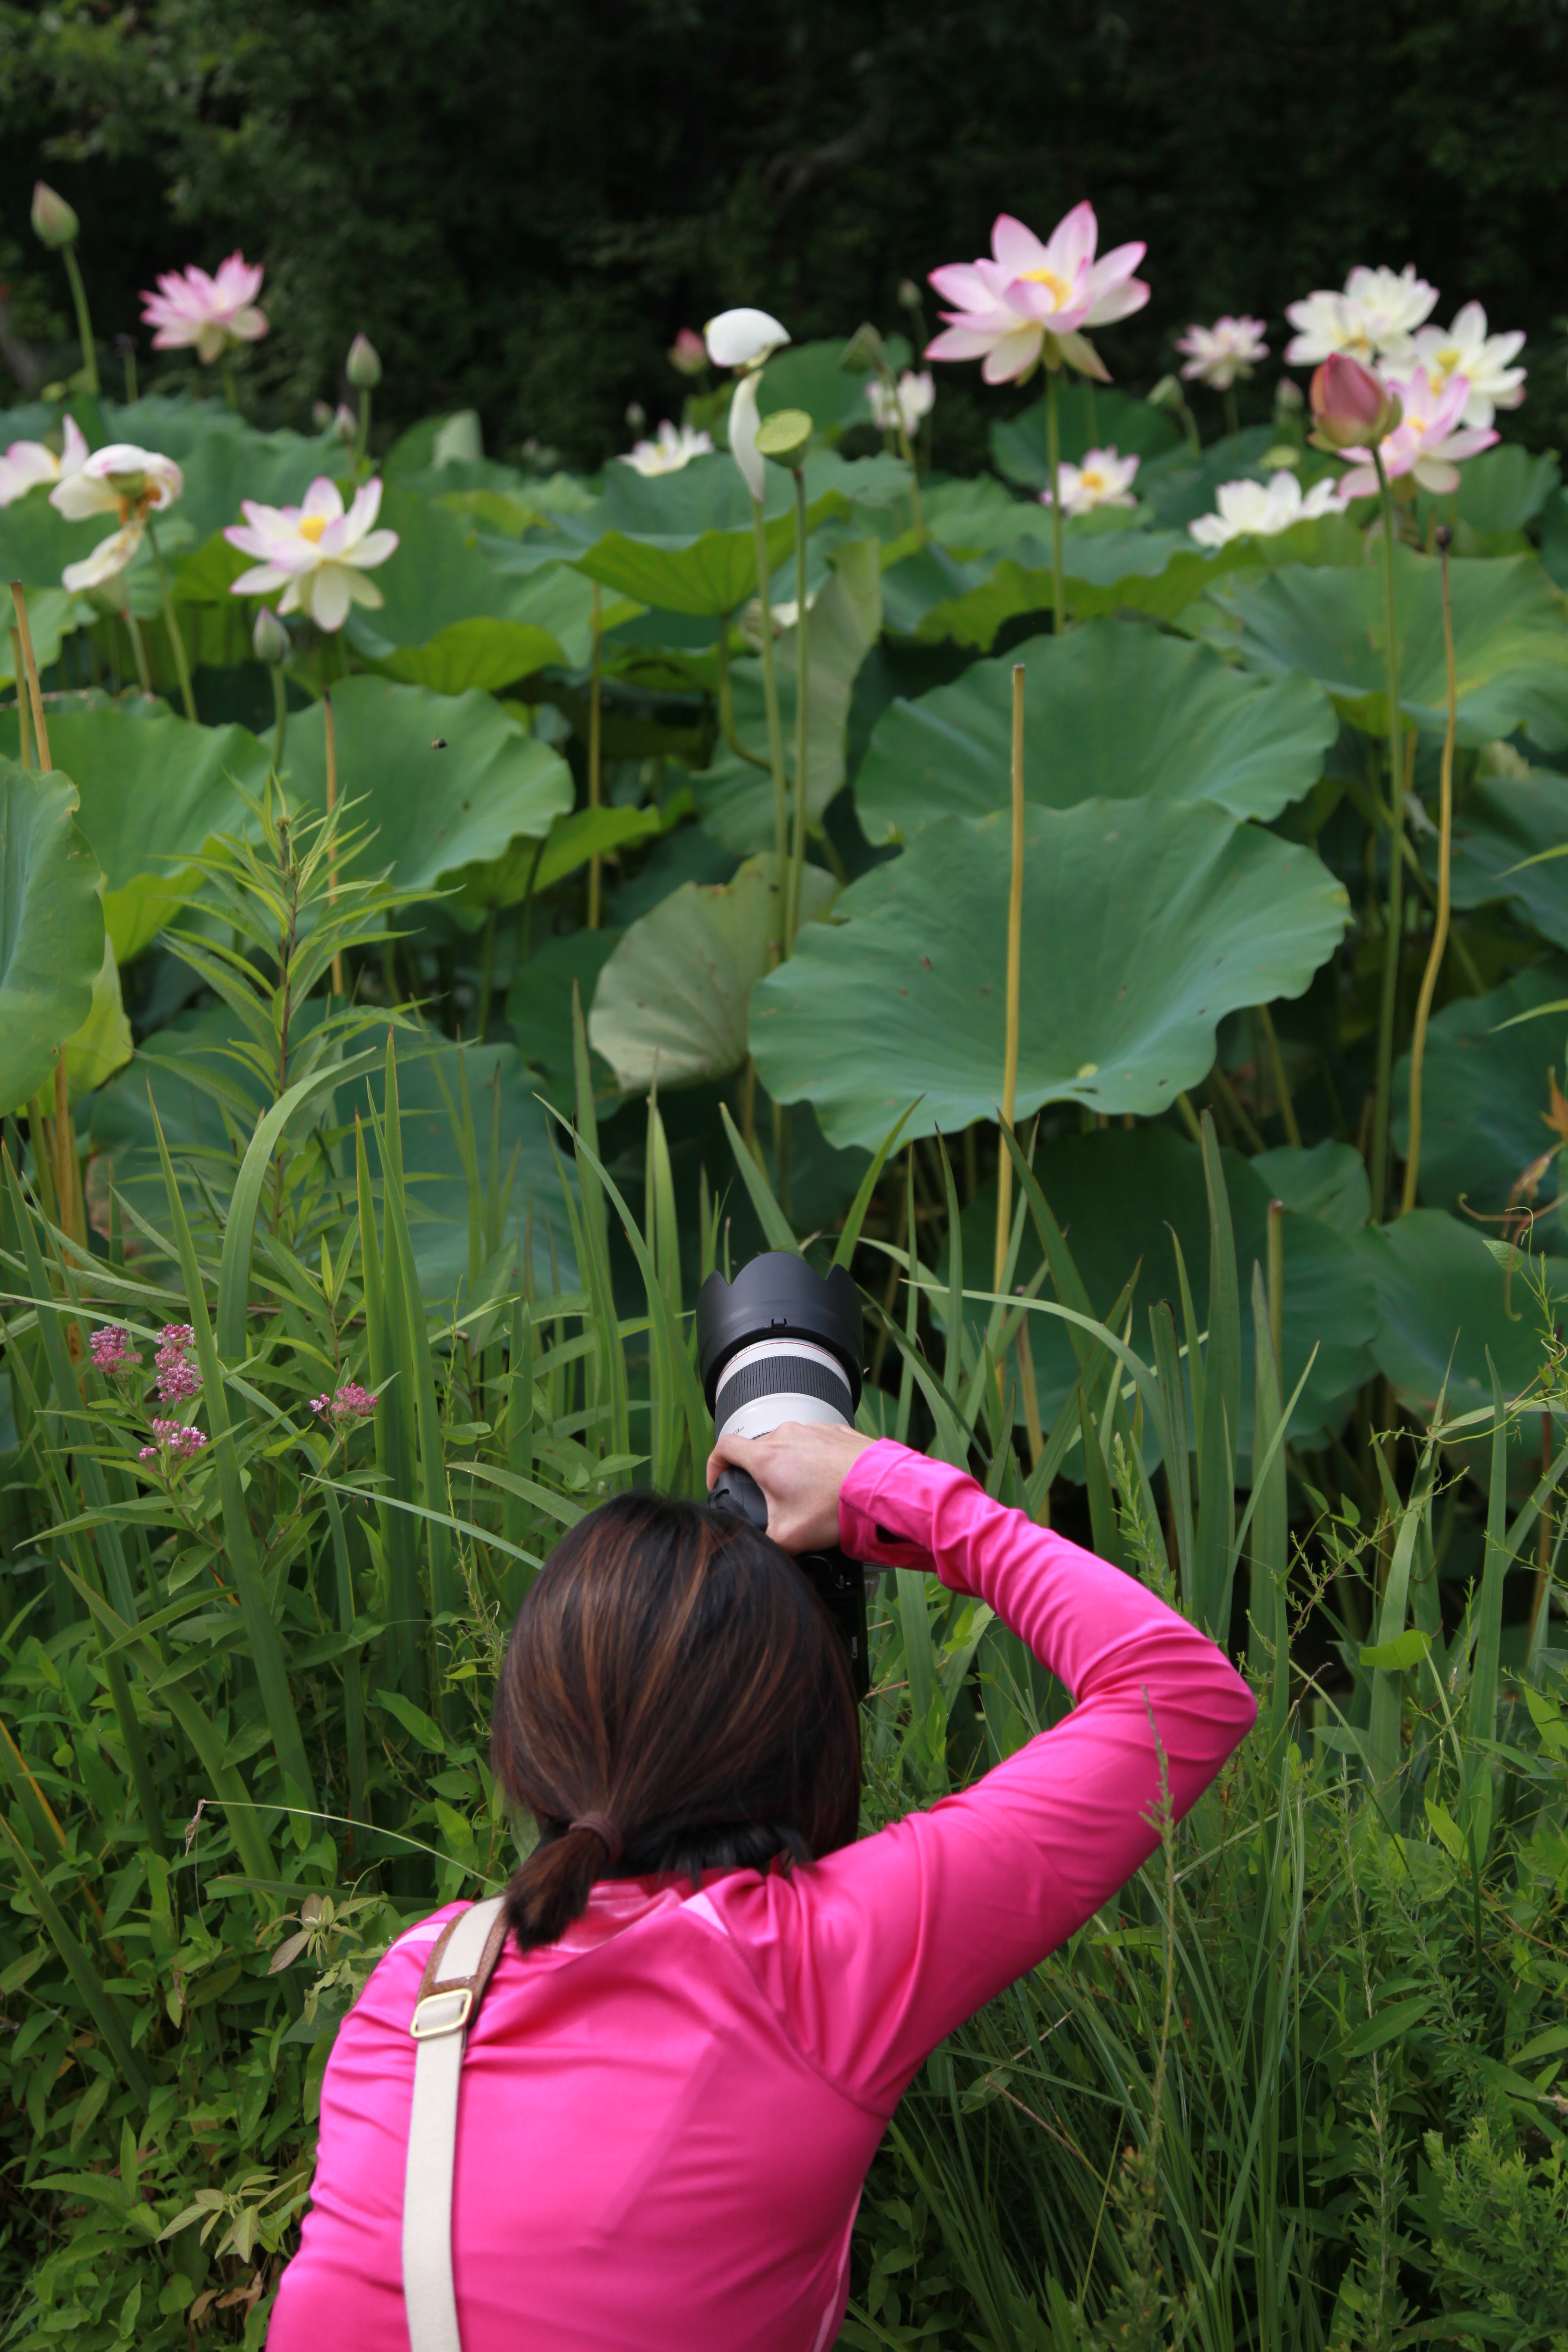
(782, 1343)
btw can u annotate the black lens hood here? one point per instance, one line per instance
(778, 1296)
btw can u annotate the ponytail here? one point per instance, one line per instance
(551, 1889)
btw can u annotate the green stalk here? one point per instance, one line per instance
(596, 757)
(803, 660)
(1054, 459)
(771, 695)
(83, 322)
(176, 641)
(279, 721)
(1394, 930)
(1232, 415)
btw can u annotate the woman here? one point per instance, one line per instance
(714, 1995)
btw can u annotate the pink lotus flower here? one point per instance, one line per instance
(1104, 479)
(120, 480)
(1030, 300)
(1351, 405)
(28, 463)
(316, 553)
(1466, 348)
(1219, 355)
(688, 352)
(210, 313)
(1427, 441)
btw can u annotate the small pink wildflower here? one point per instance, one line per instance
(351, 1402)
(180, 1443)
(178, 1379)
(111, 1350)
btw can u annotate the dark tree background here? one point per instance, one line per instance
(520, 201)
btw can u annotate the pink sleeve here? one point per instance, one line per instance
(875, 1953)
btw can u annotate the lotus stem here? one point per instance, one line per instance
(727, 702)
(35, 695)
(83, 322)
(802, 721)
(1015, 966)
(1276, 1285)
(130, 389)
(1281, 1083)
(330, 723)
(1393, 932)
(280, 720)
(182, 667)
(905, 447)
(230, 390)
(1054, 459)
(486, 972)
(770, 697)
(596, 756)
(24, 715)
(1232, 415)
(138, 651)
(1440, 926)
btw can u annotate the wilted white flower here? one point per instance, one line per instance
(914, 397)
(743, 339)
(1258, 509)
(121, 480)
(1104, 479)
(674, 446)
(1466, 350)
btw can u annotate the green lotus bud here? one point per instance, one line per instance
(785, 436)
(54, 221)
(363, 368)
(864, 352)
(269, 640)
(1167, 394)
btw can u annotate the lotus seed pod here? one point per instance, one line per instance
(785, 436)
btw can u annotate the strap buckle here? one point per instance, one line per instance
(442, 2012)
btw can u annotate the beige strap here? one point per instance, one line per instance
(450, 1992)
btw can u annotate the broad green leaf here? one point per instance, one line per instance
(103, 1044)
(52, 614)
(450, 620)
(736, 799)
(1327, 1181)
(1143, 924)
(155, 792)
(225, 459)
(1111, 711)
(447, 783)
(536, 865)
(1504, 821)
(808, 376)
(538, 1009)
(1445, 1304)
(51, 927)
(672, 1002)
(1499, 493)
(1511, 642)
(1406, 1650)
(1396, 2023)
(1484, 1096)
(1088, 417)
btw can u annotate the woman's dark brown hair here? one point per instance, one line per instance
(673, 1673)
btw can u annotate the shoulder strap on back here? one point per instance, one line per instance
(460, 1967)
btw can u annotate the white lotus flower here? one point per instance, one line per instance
(121, 480)
(1104, 479)
(914, 397)
(1374, 318)
(316, 553)
(28, 463)
(743, 339)
(1259, 509)
(1481, 359)
(1217, 356)
(674, 446)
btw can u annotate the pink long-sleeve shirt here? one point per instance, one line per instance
(665, 2119)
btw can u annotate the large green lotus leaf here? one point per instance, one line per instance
(529, 867)
(1500, 492)
(104, 1043)
(734, 797)
(1327, 1182)
(1112, 711)
(1088, 418)
(684, 542)
(445, 781)
(1484, 1094)
(1445, 1304)
(808, 376)
(1510, 630)
(446, 611)
(1178, 486)
(538, 1011)
(1119, 1195)
(1143, 924)
(52, 614)
(225, 460)
(36, 545)
(51, 927)
(155, 792)
(671, 1003)
(1500, 824)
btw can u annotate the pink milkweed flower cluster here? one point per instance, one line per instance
(1030, 300)
(28, 463)
(1104, 479)
(111, 1350)
(177, 1377)
(1429, 441)
(316, 553)
(673, 446)
(1221, 354)
(121, 480)
(351, 1402)
(192, 310)
(178, 1442)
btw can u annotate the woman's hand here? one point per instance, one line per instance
(800, 1467)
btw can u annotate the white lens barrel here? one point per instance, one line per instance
(781, 1379)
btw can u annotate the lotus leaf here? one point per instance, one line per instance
(1446, 1303)
(1087, 419)
(1484, 1096)
(1500, 824)
(52, 614)
(51, 927)
(671, 1003)
(1510, 643)
(1143, 924)
(1499, 493)
(1328, 1182)
(449, 619)
(809, 376)
(529, 867)
(1112, 711)
(539, 1011)
(104, 1043)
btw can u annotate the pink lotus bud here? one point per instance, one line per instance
(363, 365)
(1352, 408)
(688, 352)
(54, 221)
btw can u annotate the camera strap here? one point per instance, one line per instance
(461, 1963)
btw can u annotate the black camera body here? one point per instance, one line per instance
(781, 1343)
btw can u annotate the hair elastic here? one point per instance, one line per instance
(605, 1829)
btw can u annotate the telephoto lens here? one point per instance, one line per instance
(782, 1343)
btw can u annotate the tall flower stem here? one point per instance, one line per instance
(771, 700)
(1015, 966)
(279, 719)
(1054, 459)
(230, 389)
(1393, 932)
(1440, 926)
(340, 986)
(1232, 415)
(906, 447)
(595, 758)
(182, 667)
(802, 708)
(83, 322)
(24, 635)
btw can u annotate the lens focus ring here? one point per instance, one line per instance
(781, 1375)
